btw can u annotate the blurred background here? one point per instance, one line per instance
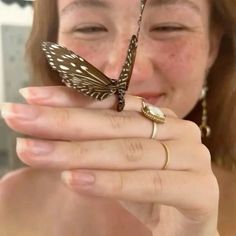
(15, 23)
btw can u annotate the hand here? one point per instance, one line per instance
(110, 154)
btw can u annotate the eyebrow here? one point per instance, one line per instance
(83, 4)
(103, 4)
(188, 3)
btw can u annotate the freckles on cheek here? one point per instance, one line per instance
(181, 60)
(90, 52)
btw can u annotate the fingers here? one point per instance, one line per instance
(129, 154)
(165, 187)
(132, 182)
(62, 96)
(88, 124)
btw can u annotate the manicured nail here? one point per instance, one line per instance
(18, 111)
(35, 93)
(77, 178)
(34, 147)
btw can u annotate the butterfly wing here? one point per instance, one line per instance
(125, 75)
(77, 73)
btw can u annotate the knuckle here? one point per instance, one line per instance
(215, 190)
(119, 120)
(192, 128)
(64, 117)
(157, 183)
(79, 153)
(117, 186)
(132, 150)
(205, 156)
(205, 153)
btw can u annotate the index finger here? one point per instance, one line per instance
(61, 96)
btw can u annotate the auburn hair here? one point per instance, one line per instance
(221, 96)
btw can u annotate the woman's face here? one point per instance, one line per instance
(175, 47)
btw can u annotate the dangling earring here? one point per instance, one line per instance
(205, 128)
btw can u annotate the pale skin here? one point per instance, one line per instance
(115, 148)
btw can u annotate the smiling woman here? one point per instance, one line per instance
(123, 169)
(74, 28)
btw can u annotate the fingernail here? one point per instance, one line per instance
(18, 111)
(35, 93)
(34, 147)
(77, 178)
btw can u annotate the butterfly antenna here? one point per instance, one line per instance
(143, 3)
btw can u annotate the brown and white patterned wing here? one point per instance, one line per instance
(126, 73)
(77, 73)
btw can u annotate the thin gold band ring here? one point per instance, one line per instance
(167, 152)
(154, 130)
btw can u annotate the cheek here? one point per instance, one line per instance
(93, 53)
(183, 60)
(183, 65)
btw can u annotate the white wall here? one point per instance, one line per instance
(15, 15)
(9, 15)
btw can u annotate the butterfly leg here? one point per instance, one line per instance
(121, 100)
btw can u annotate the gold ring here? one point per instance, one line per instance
(154, 130)
(167, 152)
(153, 113)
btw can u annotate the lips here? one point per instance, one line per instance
(154, 99)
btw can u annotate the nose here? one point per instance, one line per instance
(142, 69)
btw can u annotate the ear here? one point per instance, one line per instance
(214, 45)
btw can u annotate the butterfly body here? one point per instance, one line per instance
(80, 75)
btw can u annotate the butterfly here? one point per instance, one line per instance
(82, 76)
